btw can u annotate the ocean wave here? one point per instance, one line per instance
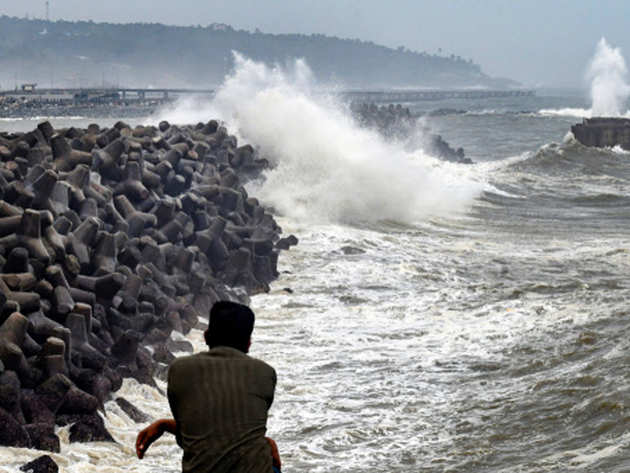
(489, 111)
(617, 149)
(573, 112)
(566, 112)
(493, 111)
(603, 198)
(324, 166)
(571, 159)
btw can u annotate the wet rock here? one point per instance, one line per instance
(12, 433)
(286, 243)
(351, 250)
(65, 158)
(179, 346)
(26, 301)
(43, 437)
(398, 123)
(43, 464)
(35, 410)
(10, 395)
(132, 411)
(53, 391)
(77, 401)
(89, 428)
(12, 334)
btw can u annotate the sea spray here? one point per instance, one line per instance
(324, 166)
(567, 112)
(609, 89)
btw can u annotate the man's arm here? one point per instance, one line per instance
(153, 432)
(275, 455)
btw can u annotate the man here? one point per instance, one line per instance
(219, 400)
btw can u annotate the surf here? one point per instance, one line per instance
(325, 167)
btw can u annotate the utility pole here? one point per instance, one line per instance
(47, 11)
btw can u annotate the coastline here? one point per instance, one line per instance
(114, 240)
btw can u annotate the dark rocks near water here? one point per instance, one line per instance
(351, 250)
(43, 464)
(89, 428)
(286, 243)
(391, 121)
(440, 148)
(603, 132)
(12, 431)
(43, 436)
(398, 123)
(132, 411)
(444, 112)
(111, 240)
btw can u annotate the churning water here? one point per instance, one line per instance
(441, 318)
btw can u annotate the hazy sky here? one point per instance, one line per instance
(539, 42)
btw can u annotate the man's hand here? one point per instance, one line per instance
(153, 432)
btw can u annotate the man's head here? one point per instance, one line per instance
(231, 325)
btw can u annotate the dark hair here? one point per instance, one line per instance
(231, 325)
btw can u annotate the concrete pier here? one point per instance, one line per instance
(119, 94)
(603, 132)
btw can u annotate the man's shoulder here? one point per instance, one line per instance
(186, 360)
(257, 364)
(213, 355)
(262, 365)
(183, 363)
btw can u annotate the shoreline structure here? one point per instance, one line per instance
(59, 102)
(603, 132)
(111, 240)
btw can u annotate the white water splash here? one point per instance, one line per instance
(607, 74)
(567, 112)
(326, 168)
(609, 89)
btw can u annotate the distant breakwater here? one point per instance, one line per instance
(111, 239)
(33, 106)
(397, 122)
(603, 132)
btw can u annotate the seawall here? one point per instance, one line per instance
(603, 132)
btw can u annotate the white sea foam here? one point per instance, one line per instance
(574, 112)
(326, 168)
(619, 150)
(485, 111)
(567, 112)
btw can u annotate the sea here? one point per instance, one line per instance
(434, 317)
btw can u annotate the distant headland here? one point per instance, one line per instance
(88, 54)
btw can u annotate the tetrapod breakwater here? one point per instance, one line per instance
(111, 240)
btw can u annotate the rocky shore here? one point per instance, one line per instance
(111, 240)
(397, 122)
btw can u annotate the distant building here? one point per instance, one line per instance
(220, 27)
(28, 87)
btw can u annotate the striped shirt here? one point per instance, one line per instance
(220, 399)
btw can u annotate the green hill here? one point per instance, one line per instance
(83, 54)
